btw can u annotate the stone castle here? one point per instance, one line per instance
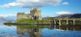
(34, 14)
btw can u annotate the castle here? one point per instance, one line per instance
(34, 14)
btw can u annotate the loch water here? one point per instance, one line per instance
(12, 31)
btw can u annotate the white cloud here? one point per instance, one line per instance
(9, 5)
(64, 12)
(65, 3)
(32, 3)
(6, 15)
(1, 15)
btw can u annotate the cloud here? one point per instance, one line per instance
(9, 5)
(64, 12)
(31, 3)
(6, 15)
(65, 3)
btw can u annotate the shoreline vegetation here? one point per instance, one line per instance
(56, 21)
(46, 23)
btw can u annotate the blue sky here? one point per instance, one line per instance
(47, 7)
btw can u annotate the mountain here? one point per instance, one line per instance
(76, 16)
(69, 16)
(9, 18)
(2, 19)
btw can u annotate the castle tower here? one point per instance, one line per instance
(35, 13)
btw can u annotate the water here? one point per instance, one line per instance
(59, 33)
(15, 31)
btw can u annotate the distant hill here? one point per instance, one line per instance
(76, 16)
(2, 19)
(9, 18)
(69, 16)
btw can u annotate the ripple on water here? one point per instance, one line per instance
(59, 33)
(6, 31)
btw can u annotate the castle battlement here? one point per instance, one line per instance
(34, 14)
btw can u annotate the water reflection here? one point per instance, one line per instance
(23, 31)
(59, 33)
(6, 31)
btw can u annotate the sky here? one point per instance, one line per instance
(49, 8)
